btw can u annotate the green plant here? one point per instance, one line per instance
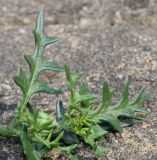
(40, 132)
(89, 124)
(33, 125)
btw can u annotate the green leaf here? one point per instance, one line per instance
(124, 108)
(100, 150)
(54, 143)
(124, 99)
(50, 65)
(41, 86)
(29, 151)
(68, 73)
(42, 140)
(60, 111)
(83, 88)
(107, 95)
(106, 117)
(39, 24)
(31, 62)
(31, 84)
(106, 100)
(84, 97)
(44, 120)
(83, 91)
(75, 78)
(88, 103)
(70, 138)
(21, 80)
(9, 131)
(80, 121)
(67, 149)
(73, 157)
(113, 121)
(71, 79)
(49, 40)
(95, 132)
(139, 99)
(30, 108)
(95, 124)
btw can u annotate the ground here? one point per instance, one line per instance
(108, 40)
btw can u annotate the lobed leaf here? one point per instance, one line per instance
(72, 80)
(124, 98)
(21, 80)
(124, 108)
(107, 95)
(100, 150)
(31, 84)
(95, 132)
(29, 151)
(84, 97)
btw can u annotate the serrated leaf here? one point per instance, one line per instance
(124, 108)
(106, 100)
(67, 149)
(40, 23)
(50, 65)
(35, 115)
(44, 120)
(41, 140)
(140, 98)
(124, 98)
(67, 72)
(106, 116)
(113, 121)
(31, 84)
(95, 123)
(75, 78)
(125, 121)
(29, 151)
(95, 132)
(31, 62)
(21, 80)
(8, 130)
(83, 90)
(85, 104)
(72, 79)
(84, 97)
(49, 40)
(54, 143)
(100, 150)
(41, 86)
(107, 95)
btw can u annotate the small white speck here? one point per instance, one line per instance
(23, 31)
(120, 76)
